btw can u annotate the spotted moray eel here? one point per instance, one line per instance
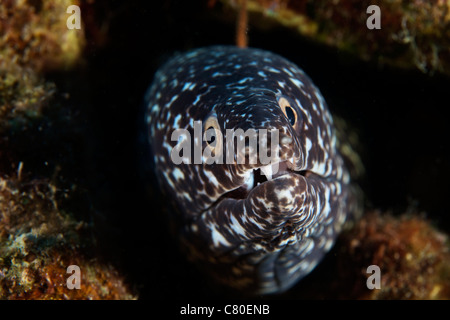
(252, 229)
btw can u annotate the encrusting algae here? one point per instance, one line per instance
(34, 38)
(413, 258)
(40, 236)
(35, 34)
(412, 34)
(39, 241)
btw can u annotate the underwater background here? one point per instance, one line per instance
(76, 185)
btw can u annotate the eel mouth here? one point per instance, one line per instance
(262, 175)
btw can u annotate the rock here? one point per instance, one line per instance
(413, 34)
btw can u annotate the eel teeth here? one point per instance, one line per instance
(267, 171)
(249, 182)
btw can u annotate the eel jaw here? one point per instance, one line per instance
(260, 175)
(271, 171)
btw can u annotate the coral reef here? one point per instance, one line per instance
(34, 38)
(38, 241)
(413, 34)
(35, 34)
(412, 255)
(41, 233)
(23, 95)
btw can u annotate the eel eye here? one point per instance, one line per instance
(288, 111)
(212, 134)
